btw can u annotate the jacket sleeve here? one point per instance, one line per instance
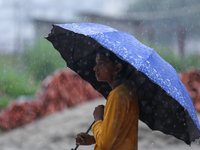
(106, 131)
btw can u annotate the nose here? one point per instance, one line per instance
(95, 68)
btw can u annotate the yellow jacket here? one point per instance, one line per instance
(119, 128)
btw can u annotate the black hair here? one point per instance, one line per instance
(113, 58)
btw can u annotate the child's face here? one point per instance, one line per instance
(104, 69)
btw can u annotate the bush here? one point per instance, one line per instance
(14, 83)
(4, 101)
(21, 74)
(42, 60)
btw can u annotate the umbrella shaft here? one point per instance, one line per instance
(85, 132)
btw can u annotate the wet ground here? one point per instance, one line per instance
(57, 132)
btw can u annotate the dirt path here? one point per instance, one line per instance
(57, 132)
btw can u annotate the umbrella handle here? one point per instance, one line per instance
(85, 132)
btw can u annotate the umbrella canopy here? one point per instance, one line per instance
(164, 102)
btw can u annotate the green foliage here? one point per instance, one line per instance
(14, 81)
(22, 74)
(42, 60)
(4, 101)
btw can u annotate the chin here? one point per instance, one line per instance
(99, 79)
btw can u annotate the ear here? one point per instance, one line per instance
(118, 68)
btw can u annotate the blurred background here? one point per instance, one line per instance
(171, 27)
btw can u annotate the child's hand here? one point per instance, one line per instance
(85, 139)
(98, 113)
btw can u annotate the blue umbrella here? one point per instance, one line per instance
(164, 102)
